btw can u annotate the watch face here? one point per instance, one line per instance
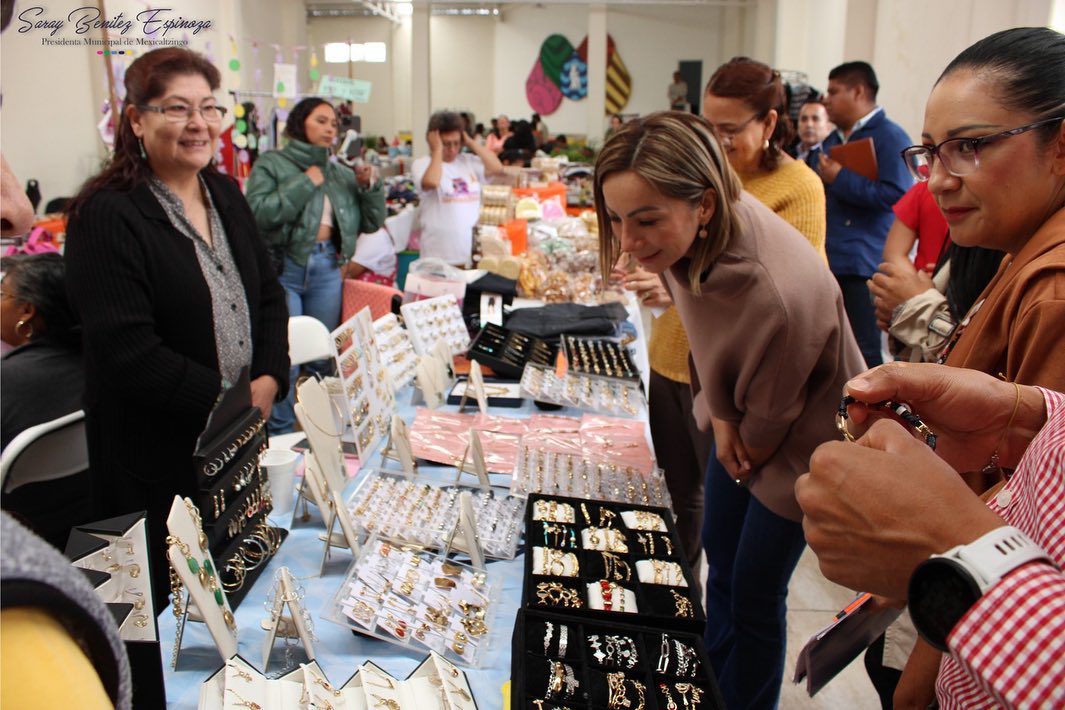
(941, 591)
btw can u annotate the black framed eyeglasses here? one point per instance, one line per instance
(960, 156)
(180, 113)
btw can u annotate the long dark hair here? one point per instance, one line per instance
(146, 79)
(1028, 66)
(40, 279)
(971, 270)
(761, 89)
(295, 125)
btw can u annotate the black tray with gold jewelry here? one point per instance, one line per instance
(610, 562)
(600, 357)
(558, 661)
(507, 351)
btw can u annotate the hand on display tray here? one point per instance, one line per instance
(263, 393)
(894, 284)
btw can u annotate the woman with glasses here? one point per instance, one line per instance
(993, 156)
(770, 350)
(175, 290)
(311, 211)
(744, 101)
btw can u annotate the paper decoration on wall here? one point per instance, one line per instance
(544, 97)
(563, 69)
(285, 81)
(575, 78)
(554, 52)
(618, 79)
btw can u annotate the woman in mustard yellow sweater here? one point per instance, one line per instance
(744, 101)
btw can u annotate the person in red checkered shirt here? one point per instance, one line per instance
(890, 515)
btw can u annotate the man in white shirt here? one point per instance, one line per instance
(450, 182)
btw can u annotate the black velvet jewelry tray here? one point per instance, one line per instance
(604, 353)
(655, 603)
(530, 664)
(507, 351)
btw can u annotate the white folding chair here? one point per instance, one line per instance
(45, 452)
(308, 340)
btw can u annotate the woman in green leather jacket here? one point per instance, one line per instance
(312, 210)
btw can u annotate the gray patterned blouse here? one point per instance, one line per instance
(232, 324)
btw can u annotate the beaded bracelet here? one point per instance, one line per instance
(901, 410)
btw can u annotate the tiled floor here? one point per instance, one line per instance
(812, 600)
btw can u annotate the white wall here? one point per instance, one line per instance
(463, 58)
(811, 42)
(53, 94)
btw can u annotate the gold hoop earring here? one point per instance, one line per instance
(23, 322)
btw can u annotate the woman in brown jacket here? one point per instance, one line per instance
(770, 350)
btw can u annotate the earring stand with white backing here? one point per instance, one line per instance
(294, 624)
(314, 409)
(464, 537)
(398, 447)
(431, 380)
(349, 538)
(474, 455)
(475, 383)
(203, 598)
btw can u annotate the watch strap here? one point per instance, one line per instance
(995, 554)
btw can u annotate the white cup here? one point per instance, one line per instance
(280, 465)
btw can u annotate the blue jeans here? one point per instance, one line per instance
(315, 290)
(862, 315)
(751, 553)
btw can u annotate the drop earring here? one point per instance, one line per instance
(765, 144)
(144, 153)
(703, 234)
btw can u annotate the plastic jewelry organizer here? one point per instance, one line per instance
(423, 511)
(396, 348)
(542, 470)
(365, 378)
(418, 599)
(582, 391)
(436, 319)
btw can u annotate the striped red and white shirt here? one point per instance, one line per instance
(1009, 648)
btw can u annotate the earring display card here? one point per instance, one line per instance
(542, 468)
(599, 357)
(418, 599)
(596, 394)
(561, 662)
(397, 350)
(366, 383)
(423, 511)
(436, 319)
(119, 549)
(609, 561)
(499, 393)
(507, 351)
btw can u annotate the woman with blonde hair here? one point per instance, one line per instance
(770, 350)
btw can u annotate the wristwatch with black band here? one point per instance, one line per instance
(944, 587)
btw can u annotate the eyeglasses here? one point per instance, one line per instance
(726, 136)
(180, 113)
(960, 156)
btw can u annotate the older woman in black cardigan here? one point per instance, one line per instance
(175, 291)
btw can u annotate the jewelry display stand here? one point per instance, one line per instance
(464, 536)
(371, 400)
(431, 381)
(192, 567)
(398, 447)
(295, 624)
(539, 470)
(315, 410)
(113, 554)
(562, 661)
(397, 350)
(474, 456)
(418, 599)
(582, 391)
(423, 510)
(475, 384)
(433, 320)
(436, 684)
